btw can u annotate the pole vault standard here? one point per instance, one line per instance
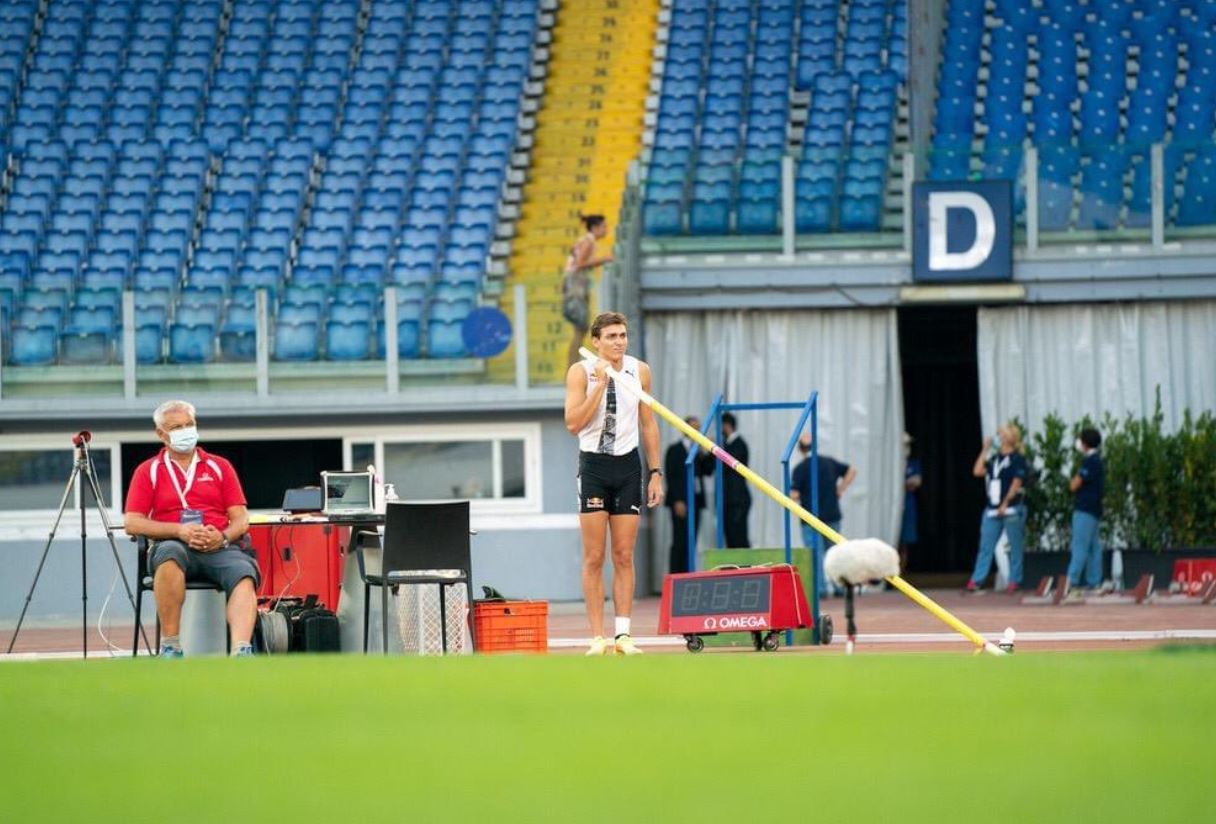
(777, 495)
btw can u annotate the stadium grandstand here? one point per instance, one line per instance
(314, 218)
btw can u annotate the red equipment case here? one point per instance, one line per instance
(762, 600)
(1193, 574)
(300, 559)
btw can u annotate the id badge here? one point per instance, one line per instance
(994, 491)
(192, 516)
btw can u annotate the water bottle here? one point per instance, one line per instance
(1006, 642)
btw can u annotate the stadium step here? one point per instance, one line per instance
(588, 129)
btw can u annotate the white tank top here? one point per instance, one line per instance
(616, 433)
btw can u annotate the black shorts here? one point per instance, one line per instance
(610, 483)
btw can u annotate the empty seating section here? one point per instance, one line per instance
(198, 152)
(724, 115)
(1092, 86)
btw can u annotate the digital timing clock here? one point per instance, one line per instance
(762, 600)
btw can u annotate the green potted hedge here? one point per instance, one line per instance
(1160, 498)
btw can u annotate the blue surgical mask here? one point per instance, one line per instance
(184, 439)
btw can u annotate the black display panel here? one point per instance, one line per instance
(712, 596)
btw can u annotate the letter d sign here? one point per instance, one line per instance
(962, 231)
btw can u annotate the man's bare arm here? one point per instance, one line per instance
(581, 407)
(238, 523)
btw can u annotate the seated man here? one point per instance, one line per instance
(190, 505)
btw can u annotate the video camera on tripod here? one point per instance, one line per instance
(81, 465)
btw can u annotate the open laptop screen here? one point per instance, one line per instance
(347, 491)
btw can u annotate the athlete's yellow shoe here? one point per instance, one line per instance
(624, 646)
(599, 646)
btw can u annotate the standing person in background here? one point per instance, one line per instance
(736, 498)
(908, 532)
(1087, 486)
(673, 467)
(576, 282)
(1004, 477)
(834, 478)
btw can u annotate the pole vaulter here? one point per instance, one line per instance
(777, 495)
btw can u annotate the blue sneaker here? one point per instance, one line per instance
(242, 650)
(168, 651)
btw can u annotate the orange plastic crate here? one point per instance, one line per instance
(512, 626)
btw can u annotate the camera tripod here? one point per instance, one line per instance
(82, 466)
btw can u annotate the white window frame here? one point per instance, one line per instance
(35, 524)
(528, 432)
(30, 524)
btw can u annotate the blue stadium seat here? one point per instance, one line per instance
(1055, 205)
(295, 341)
(197, 315)
(351, 311)
(710, 217)
(49, 316)
(148, 343)
(409, 342)
(450, 309)
(85, 344)
(445, 339)
(949, 164)
(758, 216)
(347, 340)
(299, 313)
(56, 299)
(33, 345)
(813, 215)
(191, 343)
(1002, 163)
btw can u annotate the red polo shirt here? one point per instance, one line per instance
(215, 488)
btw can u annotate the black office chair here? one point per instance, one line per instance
(143, 580)
(423, 544)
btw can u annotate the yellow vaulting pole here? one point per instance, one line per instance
(789, 503)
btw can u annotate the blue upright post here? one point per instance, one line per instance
(719, 475)
(785, 513)
(807, 409)
(817, 541)
(690, 525)
(690, 484)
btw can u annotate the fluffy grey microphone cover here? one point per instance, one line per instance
(855, 562)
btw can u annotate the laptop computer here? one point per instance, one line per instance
(347, 496)
(302, 500)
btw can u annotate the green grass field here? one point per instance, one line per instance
(734, 737)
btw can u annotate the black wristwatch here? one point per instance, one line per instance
(656, 471)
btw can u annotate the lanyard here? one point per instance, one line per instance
(181, 493)
(998, 466)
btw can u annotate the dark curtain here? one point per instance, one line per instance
(266, 468)
(937, 349)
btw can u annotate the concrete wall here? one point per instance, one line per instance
(57, 596)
